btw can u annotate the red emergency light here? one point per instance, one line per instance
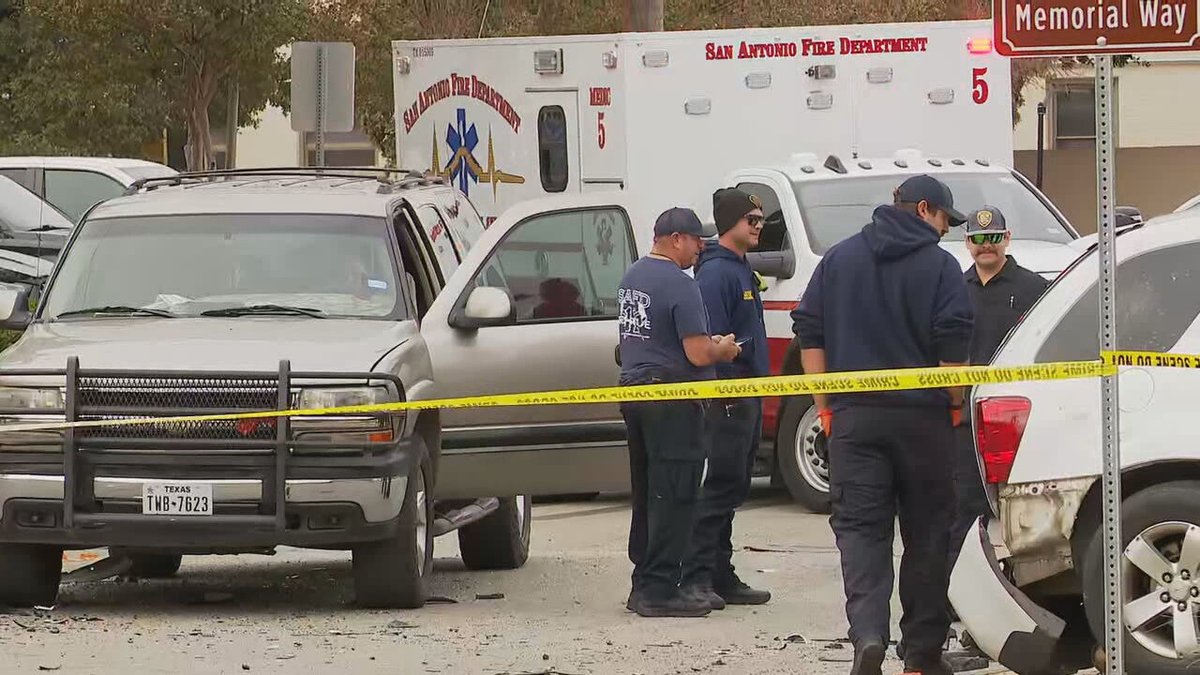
(981, 45)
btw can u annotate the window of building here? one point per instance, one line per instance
(1073, 110)
(552, 148)
(351, 148)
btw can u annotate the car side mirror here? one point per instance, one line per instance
(14, 306)
(778, 264)
(1127, 215)
(485, 306)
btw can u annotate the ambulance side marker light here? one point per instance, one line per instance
(758, 80)
(698, 106)
(942, 96)
(820, 100)
(980, 45)
(656, 58)
(879, 75)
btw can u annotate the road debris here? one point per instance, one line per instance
(489, 596)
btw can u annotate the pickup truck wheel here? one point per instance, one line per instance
(29, 574)
(154, 565)
(500, 541)
(801, 454)
(391, 574)
(1160, 570)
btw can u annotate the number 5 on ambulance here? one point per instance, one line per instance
(821, 123)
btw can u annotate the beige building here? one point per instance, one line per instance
(1157, 128)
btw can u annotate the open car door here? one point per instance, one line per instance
(533, 307)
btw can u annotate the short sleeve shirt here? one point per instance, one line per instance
(660, 305)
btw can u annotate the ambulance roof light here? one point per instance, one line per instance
(980, 45)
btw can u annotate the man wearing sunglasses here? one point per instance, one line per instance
(1001, 291)
(731, 297)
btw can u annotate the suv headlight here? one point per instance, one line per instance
(340, 397)
(354, 429)
(17, 398)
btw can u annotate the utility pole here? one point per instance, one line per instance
(643, 16)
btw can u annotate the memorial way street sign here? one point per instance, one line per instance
(1078, 27)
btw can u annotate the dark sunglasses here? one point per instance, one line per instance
(754, 221)
(988, 238)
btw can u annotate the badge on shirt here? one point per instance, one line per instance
(747, 295)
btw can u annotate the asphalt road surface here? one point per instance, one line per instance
(562, 613)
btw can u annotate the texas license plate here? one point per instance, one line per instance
(177, 499)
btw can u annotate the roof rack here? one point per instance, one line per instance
(411, 176)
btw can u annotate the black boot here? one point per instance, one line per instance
(868, 657)
(704, 594)
(736, 592)
(676, 604)
(927, 665)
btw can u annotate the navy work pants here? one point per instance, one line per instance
(667, 447)
(882, 459)
(734, 426)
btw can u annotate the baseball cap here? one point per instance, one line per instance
(678, 220)
(929, 189)
(730, 205)
(986, 220)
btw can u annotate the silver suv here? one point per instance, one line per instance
(237, 291)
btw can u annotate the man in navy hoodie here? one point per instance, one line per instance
(730, 292)
(890, 297)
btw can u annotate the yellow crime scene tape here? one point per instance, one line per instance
(893, 379)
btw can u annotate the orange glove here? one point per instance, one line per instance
(955, 417)
(826, 416)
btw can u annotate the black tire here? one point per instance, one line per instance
(1151, 512)
(154, 565)
(29, 575)
(804, 491)
(392, 574)
(500, 541)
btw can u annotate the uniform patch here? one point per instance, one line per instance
(747, 295)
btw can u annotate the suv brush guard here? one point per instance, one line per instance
(221, 449)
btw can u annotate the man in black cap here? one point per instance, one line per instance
(1001, 291)
(731, 296)
(665, 337)
(890, 297)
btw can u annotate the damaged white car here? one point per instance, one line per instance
(1028, 584)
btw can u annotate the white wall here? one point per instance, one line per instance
(273, 143)
(1158, 97)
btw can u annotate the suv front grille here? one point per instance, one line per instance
(115, 398)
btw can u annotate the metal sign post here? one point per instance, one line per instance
(1041, 28)
(1109, 410)
(322, 90)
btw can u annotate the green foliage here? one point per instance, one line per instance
(105, 77)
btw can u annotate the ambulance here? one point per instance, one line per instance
(820, 122)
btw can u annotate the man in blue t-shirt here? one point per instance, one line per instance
(730, 293)
(664, 337)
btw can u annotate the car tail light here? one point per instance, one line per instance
(1000, 424)
(980, 45)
